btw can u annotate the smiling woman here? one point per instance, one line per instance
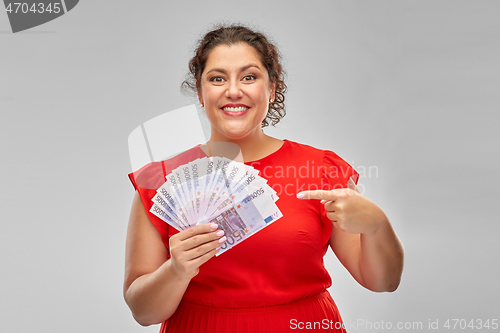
(268, 59)
(235, 90)
(276, 278)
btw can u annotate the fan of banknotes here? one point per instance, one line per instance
(217, 190)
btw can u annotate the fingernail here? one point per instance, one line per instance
(300, 195)
(323, 201)
(222, 240)
(220, 233)
(214, 226)
(218, 248)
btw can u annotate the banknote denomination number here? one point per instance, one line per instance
(235, 237)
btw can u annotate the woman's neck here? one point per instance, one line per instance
(253, 147)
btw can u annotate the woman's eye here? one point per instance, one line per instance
(216, 79)
(249, 77)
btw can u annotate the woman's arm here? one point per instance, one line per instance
(363, 238)
(374, 254)
(153, 285)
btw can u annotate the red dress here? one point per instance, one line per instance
(275, 281)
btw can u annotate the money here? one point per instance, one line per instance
(217, 190)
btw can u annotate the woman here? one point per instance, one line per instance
(274, 281)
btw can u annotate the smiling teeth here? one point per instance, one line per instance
(236, 109)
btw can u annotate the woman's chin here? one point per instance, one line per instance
(235, 134)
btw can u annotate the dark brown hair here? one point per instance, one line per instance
(269, 56)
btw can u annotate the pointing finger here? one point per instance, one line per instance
(318, 194)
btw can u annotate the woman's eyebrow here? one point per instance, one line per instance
(242, 69)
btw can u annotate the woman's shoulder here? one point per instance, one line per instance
(300, 151)
(152, 175)
(305, 149)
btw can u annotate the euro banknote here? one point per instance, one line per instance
(217, 190)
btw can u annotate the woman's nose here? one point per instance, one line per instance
(234, 90)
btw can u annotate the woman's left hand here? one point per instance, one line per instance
(369, 247)
(349, 210)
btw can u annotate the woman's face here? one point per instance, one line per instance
(235, 90)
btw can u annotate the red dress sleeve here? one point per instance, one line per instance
(336, 171)
(336, 174)
(150, 177)
(146, 180)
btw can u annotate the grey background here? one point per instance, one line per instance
(410, 88)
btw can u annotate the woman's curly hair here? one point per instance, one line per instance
(269, 55)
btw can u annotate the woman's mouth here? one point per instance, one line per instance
(235, 110)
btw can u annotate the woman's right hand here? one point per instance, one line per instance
(191, 248)
(154, 284)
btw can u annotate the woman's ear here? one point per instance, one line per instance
(273, 91)
(200, 98)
